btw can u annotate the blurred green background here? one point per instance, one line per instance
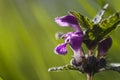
(27, 40)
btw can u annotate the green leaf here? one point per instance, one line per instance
(95, 32)
(109, 22)
(83, 20)
(101, 30)
(61, 68)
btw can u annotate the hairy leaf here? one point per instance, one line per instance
(98, 17)
(114, 67)
(101, 30)
(83, 20)
(109, 24)
(61, 68)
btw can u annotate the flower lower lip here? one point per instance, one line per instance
(61, 49)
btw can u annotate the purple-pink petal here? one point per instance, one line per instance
(104, 46)
(68, 20)
(75, 40)
(61, 49)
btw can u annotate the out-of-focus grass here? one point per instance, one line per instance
(27, 40)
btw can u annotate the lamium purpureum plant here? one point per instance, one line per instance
(95, 34)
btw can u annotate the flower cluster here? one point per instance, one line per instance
(89, 62)
(74, 39)
(94, 34)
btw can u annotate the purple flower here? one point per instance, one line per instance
(61, 49)
(68, 20)
(74, 39)
(104, 46)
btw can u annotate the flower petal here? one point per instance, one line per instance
(61, 49)
(76, 40)
(104, 46)
(68, 20)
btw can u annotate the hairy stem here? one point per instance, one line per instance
(89, 76)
